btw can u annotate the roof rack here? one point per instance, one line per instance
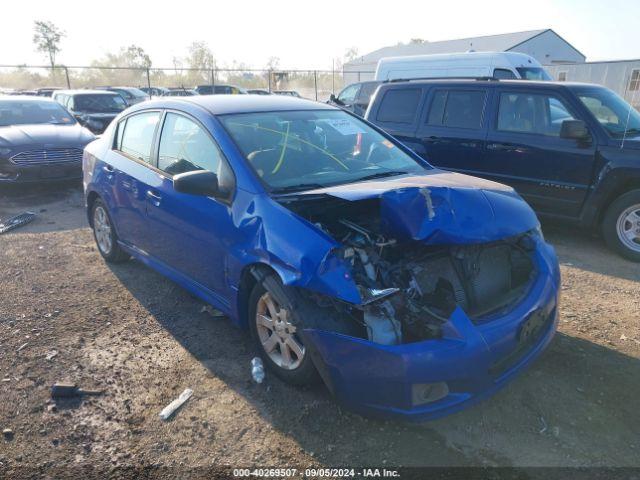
(487, 79)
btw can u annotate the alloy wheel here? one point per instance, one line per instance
(628, 227)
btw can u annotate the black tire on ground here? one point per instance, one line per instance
(610, 225)
(305, 373)
(114, 254)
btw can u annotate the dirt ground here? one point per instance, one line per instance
(142, 339)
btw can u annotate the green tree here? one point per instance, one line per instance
(47, 38)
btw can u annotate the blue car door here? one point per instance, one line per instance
(187, 231)
(127, 173)
(453, 128)
(524, 149)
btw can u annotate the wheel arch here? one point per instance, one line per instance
(250, 276)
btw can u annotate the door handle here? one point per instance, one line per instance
(154, 197)
(108, 169)
(431, 139)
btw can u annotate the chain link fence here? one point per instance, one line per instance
(311, 84)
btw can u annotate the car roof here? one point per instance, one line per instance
(26, 98)
(484, 81)
(82, 91)
(226, 104)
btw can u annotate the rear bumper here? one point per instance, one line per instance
(11, 173)
(475, 360)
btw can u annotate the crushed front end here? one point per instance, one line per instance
(444, 317)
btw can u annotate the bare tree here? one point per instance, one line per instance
(47, 38)
(351, 54)
(273, 63)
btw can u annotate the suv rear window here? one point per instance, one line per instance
(457, 108)
(399, 105)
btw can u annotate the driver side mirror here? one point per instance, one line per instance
(199, 182)
(574, 129)
(336, 100)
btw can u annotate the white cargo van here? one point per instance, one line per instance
(504, 65)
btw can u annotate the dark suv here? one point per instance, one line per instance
(571, 150)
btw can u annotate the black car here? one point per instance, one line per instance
(39, 140)
(180, 92)
(355, 97)
(131, 95)
(219, 90)
(92, 108)
(571, 150)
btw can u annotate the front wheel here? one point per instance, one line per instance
(276, 331)
(621, 225)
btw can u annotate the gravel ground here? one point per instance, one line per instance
(142, 339)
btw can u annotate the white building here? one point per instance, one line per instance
(546, 46)
(621, 76)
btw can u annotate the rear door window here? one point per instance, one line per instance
(137, 135)
(399, 105)
(457, 108)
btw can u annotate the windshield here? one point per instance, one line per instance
(16, 112)
(301, 150)
(533, 73)
(99, 103)
(612, 112)
(134, 92)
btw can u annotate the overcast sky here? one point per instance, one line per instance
(305, 34)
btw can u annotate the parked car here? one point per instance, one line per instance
(501, 65)
(258, 91)
(566, 148)
(355, 97)
(46, 91)
(343, 252)
(155, 91)
(289, 93)
(39, 141)
(94, 109)
(131, 95)
(180, 92)
(220, 89)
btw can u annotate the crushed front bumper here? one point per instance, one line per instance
(474, 359)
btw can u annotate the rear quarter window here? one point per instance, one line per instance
(399, 105)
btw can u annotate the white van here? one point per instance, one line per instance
(504, 65)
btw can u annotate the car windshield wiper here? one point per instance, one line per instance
(388, 173)
(297, 188)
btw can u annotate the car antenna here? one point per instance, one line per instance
(626, 127)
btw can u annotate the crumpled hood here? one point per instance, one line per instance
(20, 135)
(442, 207)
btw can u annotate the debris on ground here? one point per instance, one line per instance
(22, 347)
(51, 355)
(170, 409)
(67, 390)
(16, 221)
(544, 426)
(212, 311)
(257, 370)
(7, 433)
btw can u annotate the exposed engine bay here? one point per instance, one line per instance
(410, 289)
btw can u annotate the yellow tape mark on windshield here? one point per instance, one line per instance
(328, 154)
(284, 147)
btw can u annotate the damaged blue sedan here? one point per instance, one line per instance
(410, 291)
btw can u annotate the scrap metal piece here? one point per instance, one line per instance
(68, 390)
(16, 221)
(170, 409)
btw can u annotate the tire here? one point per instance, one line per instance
(623, 216)
(271, 342)
(105, 235)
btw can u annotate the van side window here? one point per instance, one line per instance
(457, 108)
(532, 113)
(185, 147)
(503, 74)
(399, 105)
(136, 139)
